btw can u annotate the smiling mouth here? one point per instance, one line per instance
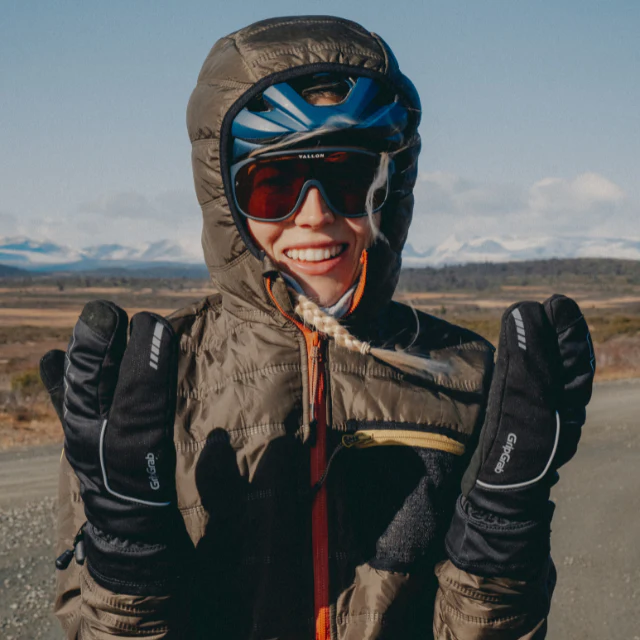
(315, 254)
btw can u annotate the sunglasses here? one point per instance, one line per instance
(272, 186)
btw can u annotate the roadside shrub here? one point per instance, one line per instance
(27, 384)
(21, 334)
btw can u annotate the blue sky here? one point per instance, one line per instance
(531, 119)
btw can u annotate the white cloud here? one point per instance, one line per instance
(8, 224)
(588, 204)
(581, 194)
(120, 205)
(448, 193)
(133, 218)
(165, 207)
(37, 228)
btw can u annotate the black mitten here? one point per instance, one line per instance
(117, 406)
(541, 385)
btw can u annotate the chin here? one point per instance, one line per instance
(325, 294)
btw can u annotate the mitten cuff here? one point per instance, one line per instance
(136, 568)
(484, 544)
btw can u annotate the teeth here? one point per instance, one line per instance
(314, 255)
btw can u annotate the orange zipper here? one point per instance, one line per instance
(359, 292)
(319, 517)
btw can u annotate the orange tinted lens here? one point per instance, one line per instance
(346, 177)
(268, 189)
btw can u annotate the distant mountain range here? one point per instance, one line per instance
(515, 249)
(165, 256)
(35, 255)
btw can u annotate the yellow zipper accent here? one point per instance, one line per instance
(390, 437)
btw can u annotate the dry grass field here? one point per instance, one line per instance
(614, 319)
(39, 317)
(35, 319)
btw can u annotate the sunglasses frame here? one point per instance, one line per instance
(309, 183)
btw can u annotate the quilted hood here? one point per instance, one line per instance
(240, 66)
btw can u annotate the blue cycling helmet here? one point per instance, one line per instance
(368, 112)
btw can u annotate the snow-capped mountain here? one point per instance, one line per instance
(47, 256)
(27, 253)
(507, 249)
(24, 252)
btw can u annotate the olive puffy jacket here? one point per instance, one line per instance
(264, 405)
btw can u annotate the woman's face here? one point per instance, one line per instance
(319, 249)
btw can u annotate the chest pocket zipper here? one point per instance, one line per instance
(365, 439)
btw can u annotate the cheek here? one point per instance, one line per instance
(361, 229)
(265, 234)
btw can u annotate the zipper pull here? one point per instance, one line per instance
(64, 559)
(78, 550)
(349, 440)
(316, 357)
(356, 439)
(315, 361)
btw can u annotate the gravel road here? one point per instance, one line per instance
(595, 532)
(27, 525)
(596, 528)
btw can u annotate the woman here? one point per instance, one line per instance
(303, 481)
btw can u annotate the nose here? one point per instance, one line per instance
(314, 211)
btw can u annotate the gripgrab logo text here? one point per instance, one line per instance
(310, 156)
(154, 483)
(506, 453)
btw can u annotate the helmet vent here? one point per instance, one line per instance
(333, 86)
(258, 104)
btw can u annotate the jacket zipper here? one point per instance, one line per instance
(319, 518)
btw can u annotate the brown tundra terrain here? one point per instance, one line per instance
(597, 521)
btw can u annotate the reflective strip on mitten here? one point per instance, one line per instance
(119, 407)
(536, 408)
(117, 404)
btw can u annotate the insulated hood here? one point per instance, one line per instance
(239, 67)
